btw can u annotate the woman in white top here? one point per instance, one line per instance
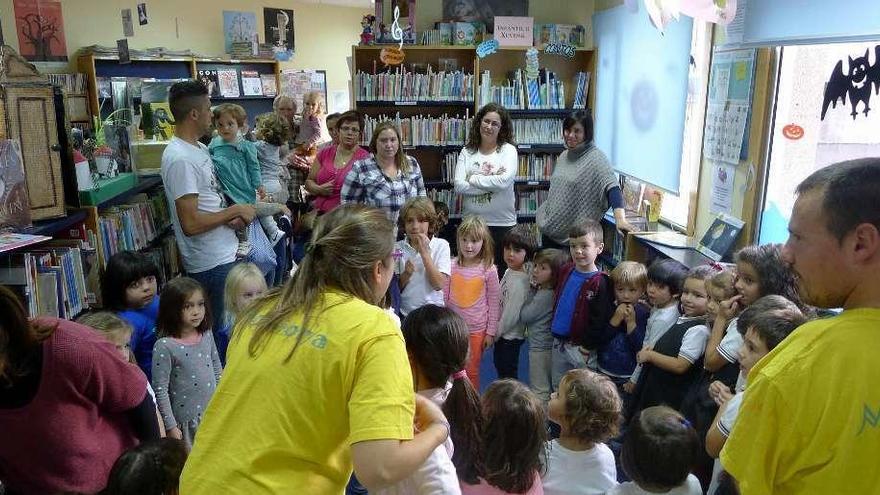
(485, 173)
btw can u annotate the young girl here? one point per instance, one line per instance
(244, 283)
(118, 332)
(474, 291)
(513, 441)
(658, 450)
(312, 132)
(537, 314)
(152, 467)
(760, 271)
(186, 366)
(672, 364)
(437, 345)
(272, 132)
(128, 288)
(426, 257)
(587, 409)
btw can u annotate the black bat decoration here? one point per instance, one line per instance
(856, 84)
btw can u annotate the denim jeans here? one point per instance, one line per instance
(506, 357)
(214, 282)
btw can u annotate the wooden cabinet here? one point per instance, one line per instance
(28, 115)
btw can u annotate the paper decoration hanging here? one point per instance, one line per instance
(566, 51)
(391, 56)
(857, 84)
(532, 63)
(487, 47)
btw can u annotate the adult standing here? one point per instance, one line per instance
(335, 161)
(69, 404)
(809, 419)
(203, 224)
(388, 178)
(582, 187)
(485, 174)
(318, 379)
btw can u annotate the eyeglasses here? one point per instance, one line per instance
(350, 129)
(491, 123)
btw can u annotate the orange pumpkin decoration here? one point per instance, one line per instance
(793, 132)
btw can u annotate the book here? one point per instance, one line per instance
(163, 122)
(445, 29)
(251, 84)
(211, 80)
(270, 85)
(464, 33)
(11, 240)
(15, 210)
(228, 83)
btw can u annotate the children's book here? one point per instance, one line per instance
(251, 84)
(465, 33)
(14, 206)
(211, 81)
(270, 85)
(163, 122)
(13, 240)
(228, 83)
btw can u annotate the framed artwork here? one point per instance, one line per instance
(483, 10)
(238, 27)
(279, 32)
(40, 28)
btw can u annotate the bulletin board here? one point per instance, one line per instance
(297, 82)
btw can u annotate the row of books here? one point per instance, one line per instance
(518, 92)
(50, 280)
(566, 34)
(538, 131)
(70, 83)
(130, 227)
(421, 130)
(535, 167)
(527, 202)
(403, 86)
(453, 201)
(581, 90)
(232, 83)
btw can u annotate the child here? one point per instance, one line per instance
(672, 364)
(244, 284)
(237, 167)
(760, 271)
(584, 303)
(152, 467)
(427, 261)
(332, 130)
(658, 450)
(437, 345)
(513, 441)
(473, 290)
(272, 132)
(312, 132)
(587, 409)
(186, 366)
(128, 287)
(444, 229)
(519, 245)
(763, 325)
(118, 332)
(665, 278)
(628, 323)
(536, 315)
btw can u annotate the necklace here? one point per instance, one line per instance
(341, 159)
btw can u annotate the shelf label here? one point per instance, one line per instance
(525, 146)
(406, 103)
(532, 183)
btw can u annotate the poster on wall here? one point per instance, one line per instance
(483, 11)
(296, 83)
(279, 32)
(40, 28)
(238, 27)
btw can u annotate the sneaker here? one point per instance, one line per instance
(276, 237)
(285, 224)
(244, 249)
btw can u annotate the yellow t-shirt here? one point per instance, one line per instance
(810, 419)
(276, 427)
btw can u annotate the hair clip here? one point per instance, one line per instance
(460, 374)
(685, 422)
(716, 265)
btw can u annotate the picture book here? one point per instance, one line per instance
(719, 239)
(211, 81)
(163, 122)
(228, 83)
(270, 85)
(14, 207)
(251, 84)
(465, 33)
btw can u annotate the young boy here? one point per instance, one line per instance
(584, 303)
(763, 324)
(665, 280)
(238, 169)
(519, 245)
(536, 315)
(628, 323)
(427, 263)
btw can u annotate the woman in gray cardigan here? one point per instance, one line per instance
(583, 185)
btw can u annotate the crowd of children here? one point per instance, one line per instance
(613, 358)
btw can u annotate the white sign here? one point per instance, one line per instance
(514, 31)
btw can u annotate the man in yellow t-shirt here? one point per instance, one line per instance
(810, 419)
(276, 426)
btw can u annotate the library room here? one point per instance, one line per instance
(474, 247)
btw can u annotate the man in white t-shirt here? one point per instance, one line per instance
(203, 225)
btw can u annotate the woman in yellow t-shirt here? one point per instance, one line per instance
(317, 379)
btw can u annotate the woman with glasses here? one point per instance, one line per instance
(334, 162)
(485, 173)
(583, 185)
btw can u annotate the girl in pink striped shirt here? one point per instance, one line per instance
(473, 290)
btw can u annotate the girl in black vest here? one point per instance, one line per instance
(675, 361)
